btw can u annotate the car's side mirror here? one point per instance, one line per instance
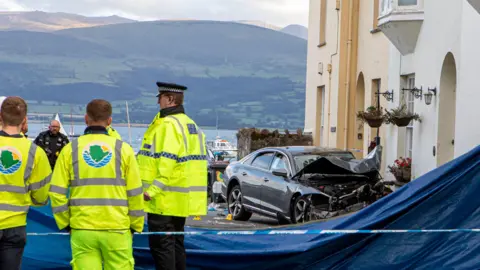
(280, 172)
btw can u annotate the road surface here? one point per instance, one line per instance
(218, 220)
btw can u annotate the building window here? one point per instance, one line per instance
(385, 7)
(376, 7)
(322, 118)
(407, 2)
(376, 87)
(323, 22)
(409, 101)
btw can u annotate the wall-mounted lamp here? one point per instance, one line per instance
(388, 95)
(429, 95)
(416, 92)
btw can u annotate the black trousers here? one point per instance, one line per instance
(12, 244)
(168, 251)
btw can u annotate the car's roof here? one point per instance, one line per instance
(298, 150)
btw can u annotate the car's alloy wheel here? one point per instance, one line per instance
(236, 203)
(301, 211)
(235, 206)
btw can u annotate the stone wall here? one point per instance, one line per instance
(251, 139)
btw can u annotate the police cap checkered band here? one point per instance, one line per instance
(170, 87)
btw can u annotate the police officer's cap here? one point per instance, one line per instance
(170, 87)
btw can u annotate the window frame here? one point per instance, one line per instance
(376, 14)
(409, 100)
(287, 160)
(322, 40)
(262, 154)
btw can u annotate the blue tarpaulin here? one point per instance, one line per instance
(445, 198)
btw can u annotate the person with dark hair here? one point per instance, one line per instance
(173, 166)
(24, 181)
(52, 141)
(105, 206)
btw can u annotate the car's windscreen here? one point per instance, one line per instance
(303, 160)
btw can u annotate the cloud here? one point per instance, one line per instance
(279, 12)
(11, 5)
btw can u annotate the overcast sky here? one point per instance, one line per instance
(278, 12)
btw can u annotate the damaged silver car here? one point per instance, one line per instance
(300, 184)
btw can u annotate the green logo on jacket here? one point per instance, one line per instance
(10, 160)
(97, 154)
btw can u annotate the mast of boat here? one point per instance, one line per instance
(128, 124)
(71, 121)
(216, 123)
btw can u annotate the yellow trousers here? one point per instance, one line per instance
(91, 249)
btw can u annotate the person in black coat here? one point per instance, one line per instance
(52, 141)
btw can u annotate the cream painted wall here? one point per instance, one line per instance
(326, 55)
(373, 52)
(438, 36)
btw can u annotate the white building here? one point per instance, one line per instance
(435, 45)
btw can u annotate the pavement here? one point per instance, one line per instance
(217, 219)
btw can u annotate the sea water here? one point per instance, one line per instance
(135, 135)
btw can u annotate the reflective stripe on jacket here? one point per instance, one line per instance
(105, 187)
(24, 180)
(173, 165)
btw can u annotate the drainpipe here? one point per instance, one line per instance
(349, 60)
(327, 124)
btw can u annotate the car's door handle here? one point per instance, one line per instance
(244, 173)
(266, 179)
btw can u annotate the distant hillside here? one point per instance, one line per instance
(296, 30)
(46, 22)
(262, 24)
(249, 75)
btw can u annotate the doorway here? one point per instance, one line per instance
(359, 129)
(447, 111)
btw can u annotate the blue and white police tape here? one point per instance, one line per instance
(289, 232)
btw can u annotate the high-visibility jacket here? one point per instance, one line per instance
(105, 187)
(112, 132)
(24, 179)
(173, 166)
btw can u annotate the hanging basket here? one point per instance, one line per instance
(403, 176)
(374, 122)
(402, 122)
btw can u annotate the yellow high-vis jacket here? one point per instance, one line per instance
(24, 179)
(173, 166)
(101, 175)
(112, 132)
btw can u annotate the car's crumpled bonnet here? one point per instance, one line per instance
(336, 165)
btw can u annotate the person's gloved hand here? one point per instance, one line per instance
(146, 197)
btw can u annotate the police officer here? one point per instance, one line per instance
(52, 141)
(105, 205)
(112, 132)
(24, 181)
(173, 167)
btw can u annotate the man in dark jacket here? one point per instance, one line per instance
(52, 141)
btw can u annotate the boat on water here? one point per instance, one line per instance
(222, 147)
